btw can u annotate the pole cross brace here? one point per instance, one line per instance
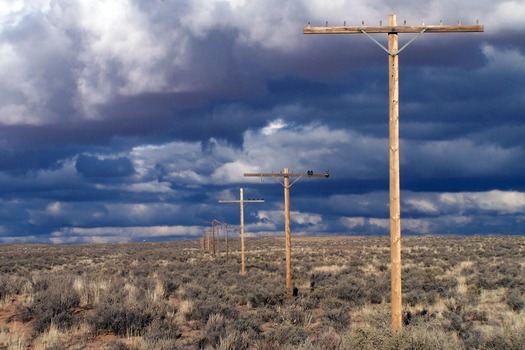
(387, 50)
(278, 175)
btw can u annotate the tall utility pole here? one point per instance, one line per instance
(288, 237)
(392, 29)
(241, 202)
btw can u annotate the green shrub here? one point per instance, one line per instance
(515, 300)
(351, 290)
(247, 325)
(329, 340)
(215, 329)
(261, 296)
(53, 303)
(116, 345)
(121, 319)
(425, 286)
(4, 290)
(284, 335)
(265, 314)
(410, 338)
(236, 341)
(161, 328)
(203, 309)
(509, 339)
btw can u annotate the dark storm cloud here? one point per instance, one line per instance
(124, 120)
(94, 167)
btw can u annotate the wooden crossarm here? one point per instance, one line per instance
(283, 175)
(394, 29)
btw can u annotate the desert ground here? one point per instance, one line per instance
(458, 293)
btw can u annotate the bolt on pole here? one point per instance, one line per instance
(392, 29)
(287, 232)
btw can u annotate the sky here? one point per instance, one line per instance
(128, 120)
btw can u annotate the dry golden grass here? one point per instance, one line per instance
(334, 269)
(458, 292)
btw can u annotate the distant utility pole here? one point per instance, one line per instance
(392, 29)
(216, 240)
(218, 235)
(226, 228)
(203, 240)
(241, 202)
(286, 175)
(205, 245)
(212, 235)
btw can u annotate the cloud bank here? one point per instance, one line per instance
(129, 120)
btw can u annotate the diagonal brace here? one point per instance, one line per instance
(387, 50)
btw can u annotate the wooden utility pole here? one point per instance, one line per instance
(218, 238)
(206, 240)
(226, 228)
(392, 29)
(213, 236)
(215, 221)
(241, 202)
(287, 232)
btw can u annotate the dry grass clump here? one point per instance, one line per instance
(458, 293)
